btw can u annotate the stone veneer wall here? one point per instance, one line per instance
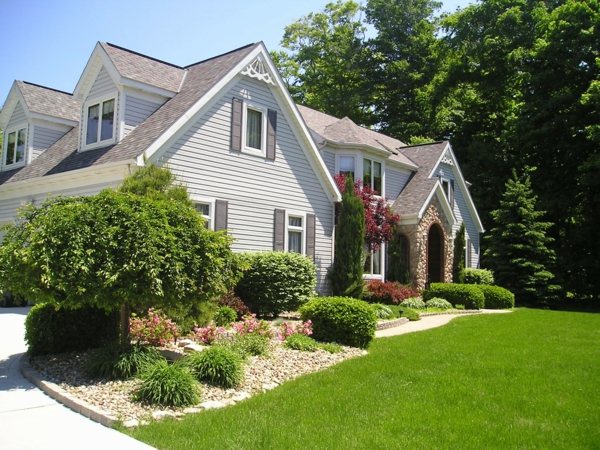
(417, 237)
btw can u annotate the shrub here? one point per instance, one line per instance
(277, 282)
(218, 365)
(330, 347)
(249, 344)
(168, 385)
(225, 316)
(413, 303)
(189, 317)
(479, 276)
(250, 325)
(50, 329)
(340, 319)
(234, 302)
(287, 329)
(497, 297)
(114, 362)
(389, 292)
(8, 299)
(154, 329)
(410, 314)
(468, 295)
(301, 342)
(437, 302)
(209, 334)
(381, 311)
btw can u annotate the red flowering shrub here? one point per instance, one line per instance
(154, 329)
(235, 303)
(390, 292)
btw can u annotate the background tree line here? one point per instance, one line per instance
(513, 84)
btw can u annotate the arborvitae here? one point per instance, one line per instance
(347, 269)
(519, 249)
(458, 263)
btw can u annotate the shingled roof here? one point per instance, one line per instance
(51, 102)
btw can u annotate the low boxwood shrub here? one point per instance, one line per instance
(497, 297)
(344, 320)
(168, 385)
(218, 365)
(410, 314)
(225, 316)
(50, 329)
(301, 342)
(437, 302)
(389, 292)
(382, 312)
(468, 295)
(276, 282)
(413, 303)
(479, 276)
(117, 363)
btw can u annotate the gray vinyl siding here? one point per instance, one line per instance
(254, 187)
(18, 117)
(329, 158)
(102, 86)
(43, 138)
(395, 180)
(462, 213)
(136, 111)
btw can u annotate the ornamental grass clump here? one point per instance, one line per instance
(115, 362)
(155, 329)
(168, 385)
(217, 365)
(382, 312)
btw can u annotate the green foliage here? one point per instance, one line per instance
(217, 365)
(115, 362)
(7, 300)
(225, 316)
(344, 320)
(155, 182)
(397, 250)
(330, 347)
(382, 311)
(51, 329)
(413, 303)
(346, 272)
(250, 344)
(479, 276)
(519, 249)
(437, 302)
(468, 295)
(410, 314)
(300, 342)
(458, 263)
(497, 297)
(168, 385)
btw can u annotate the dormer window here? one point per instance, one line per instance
(100, 123)
(14, 148)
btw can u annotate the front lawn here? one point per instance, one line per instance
(523, 380)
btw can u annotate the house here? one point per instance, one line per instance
(255, 164)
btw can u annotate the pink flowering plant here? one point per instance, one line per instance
(251, 325)
(287, 329)
(155, 328)
(209, 334)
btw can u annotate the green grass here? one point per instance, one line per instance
(529, 379)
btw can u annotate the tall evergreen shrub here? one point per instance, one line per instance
(458, 264)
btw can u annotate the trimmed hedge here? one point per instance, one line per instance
(49, 329)
(276, 282)
(468, 295)
(497, 297)
(479, 276)
(341, 319)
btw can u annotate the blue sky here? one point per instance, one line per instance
(49, 42)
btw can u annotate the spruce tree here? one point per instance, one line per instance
(347, 269)
(458, 263)
(519, 249)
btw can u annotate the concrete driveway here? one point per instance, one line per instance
(29, 419)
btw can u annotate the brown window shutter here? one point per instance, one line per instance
(310, 236)
(451, 199)
(221, 207)
(271, 133)
(236, 124)
(279, 231)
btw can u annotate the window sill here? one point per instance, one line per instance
(13, 166)
(97, 145)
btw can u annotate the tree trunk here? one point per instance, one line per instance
(124, 335)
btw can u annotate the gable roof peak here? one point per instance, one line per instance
(133, 52)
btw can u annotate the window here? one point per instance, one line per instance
(448, 187)
(205, 209)
(15, 147)
(295, 234)
(372, 175)
(373, 263)
(100, 122)
(346, 166)
(254, 129)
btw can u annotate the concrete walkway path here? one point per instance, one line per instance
(29, 419)
(429, 322)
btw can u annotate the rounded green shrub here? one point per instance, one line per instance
(410, 314)
(413, 303)
(437, 302)
(250, 344)
(217, 365)
(468, 295)
(479, 276)
(344, 320)
(277, 282)
(224, 316)
(168, 385)
(117, 363)
(301, 342)
(497, 297)
(50, 329)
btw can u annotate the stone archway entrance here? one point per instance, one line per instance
(435, 254)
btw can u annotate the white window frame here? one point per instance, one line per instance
(356, 157)
(371, 275)
(99, 101)
(301, 215)
(382, 193)
(263, 142)
(210, 219)
(15, 129)
(447, 188)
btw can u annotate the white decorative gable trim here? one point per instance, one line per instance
(447, 158)
(256, 69)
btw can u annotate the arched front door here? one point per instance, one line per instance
(435, 254)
